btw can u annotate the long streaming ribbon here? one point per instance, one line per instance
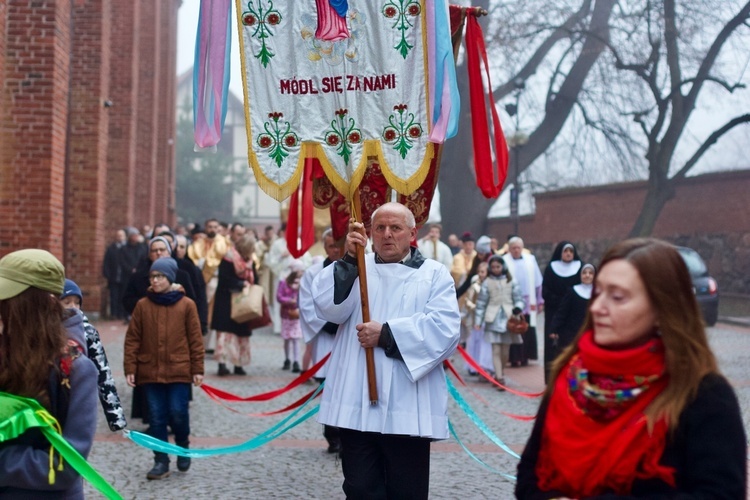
(515, 416)
(226, 396)
(211, 71)
(300, 229)
(476, 52)
(264, 437)
(444, 97)
(476, 458)
(290, 407)
(461, 402)
(18, 414)
(489, 377)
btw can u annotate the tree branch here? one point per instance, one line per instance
(559, 109)
(710, 141)
(561, 32)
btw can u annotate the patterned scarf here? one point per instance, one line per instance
(243, 270)
(595, 436)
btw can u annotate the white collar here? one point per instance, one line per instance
(565, 269)
(583, 290)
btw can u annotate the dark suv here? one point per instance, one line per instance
(705, 287)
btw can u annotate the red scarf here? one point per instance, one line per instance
(595, 437)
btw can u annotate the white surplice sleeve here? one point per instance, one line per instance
(430, 335)
(310, 323)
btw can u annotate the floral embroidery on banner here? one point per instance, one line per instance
(343, 134)
(278, 138)
(402, 131)
(263, 18)
(401, 11)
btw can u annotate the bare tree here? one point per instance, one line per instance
(620, 82)
(461, 205)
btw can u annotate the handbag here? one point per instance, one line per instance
(247, 304)
(293, 313)
(263, 320)
(517, 324)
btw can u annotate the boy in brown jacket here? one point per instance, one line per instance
(164, 354)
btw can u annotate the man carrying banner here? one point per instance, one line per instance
(386, 447)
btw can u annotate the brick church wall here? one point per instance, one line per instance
(72, 169)
(709, 213)
(36, 79)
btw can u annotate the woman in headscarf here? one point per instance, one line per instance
(571, 314)
(561, 274)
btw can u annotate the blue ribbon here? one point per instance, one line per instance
(476, 458)
(265, 437)
(478, 421)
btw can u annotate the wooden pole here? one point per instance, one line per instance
(372, 384)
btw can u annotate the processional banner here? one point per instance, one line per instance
(341, 82)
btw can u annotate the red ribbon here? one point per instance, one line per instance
(209, 392)
(523, 418)
(226, 396)
(300, 232)
(491, 379)
(480, 131)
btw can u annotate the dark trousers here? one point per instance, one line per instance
(384, 466)
(168, 404)
(520, 354)
(116, 310)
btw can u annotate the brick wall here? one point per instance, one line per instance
(165, 123)
(70, 167)
(4, 101)
(710, 213)
(86, 175)
(37, 70)
(123, 94)
(148, 87)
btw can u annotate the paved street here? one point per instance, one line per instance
(297, 465)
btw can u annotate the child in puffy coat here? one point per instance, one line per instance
(164, 354)
(499, 298)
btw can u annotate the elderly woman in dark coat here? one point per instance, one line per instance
(233, 339)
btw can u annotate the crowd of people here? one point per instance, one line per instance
(635, 404)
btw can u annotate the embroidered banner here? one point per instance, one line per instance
(338, 81)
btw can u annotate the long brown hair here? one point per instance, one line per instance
(32, 339)
(670, 290)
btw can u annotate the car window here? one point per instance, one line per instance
(694, 263)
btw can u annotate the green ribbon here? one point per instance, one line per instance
(17, 415)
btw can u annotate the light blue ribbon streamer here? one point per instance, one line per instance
(478, 421)
(264, 437)
(476, 458)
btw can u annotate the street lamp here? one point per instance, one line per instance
(516, 142)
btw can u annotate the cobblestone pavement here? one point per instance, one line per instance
(296, 464)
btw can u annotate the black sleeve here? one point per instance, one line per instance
(345, 273)
(715, 445)
(183, 279)
(331, 328)
(132, 293)
(561, 316)
(228, 279)
(548, 280)
(467, 282)
(388, 343)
